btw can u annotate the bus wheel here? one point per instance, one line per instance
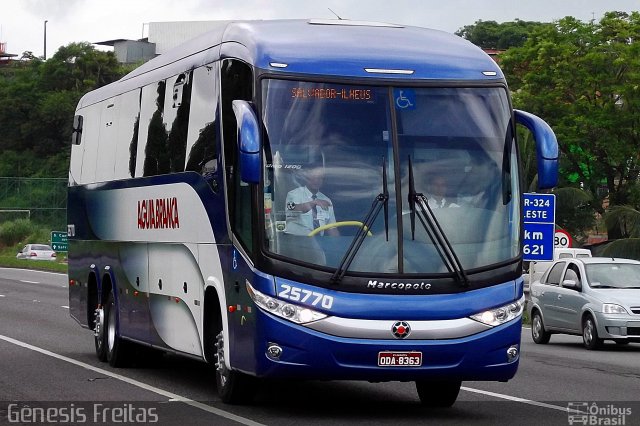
(99, 333)
(116, 348)
(233, 387)
(438, 394)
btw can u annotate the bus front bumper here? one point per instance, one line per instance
(287, 350)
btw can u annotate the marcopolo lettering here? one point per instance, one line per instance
(374, 284)
(159, 213)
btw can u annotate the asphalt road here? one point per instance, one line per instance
(48, 367)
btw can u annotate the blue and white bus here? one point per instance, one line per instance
(268, 198)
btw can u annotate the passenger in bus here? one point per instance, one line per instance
(439, 196)
(307, 208)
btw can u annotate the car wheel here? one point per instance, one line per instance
(538, 333)
(116, 348)
(438, 394)
(590, 334)
(233, 386)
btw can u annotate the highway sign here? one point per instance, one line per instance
(539, 213)
(59, 240)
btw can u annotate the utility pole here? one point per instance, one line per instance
(45, 40)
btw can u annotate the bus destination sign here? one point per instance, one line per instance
(343, 94)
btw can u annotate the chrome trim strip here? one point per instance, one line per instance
(381, 329)
(388, 71)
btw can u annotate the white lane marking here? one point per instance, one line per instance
(167, 394)
(66, 307)
(515, 399)
(29, 282)
(33, 270)
(2, 295)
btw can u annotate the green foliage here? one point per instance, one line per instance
(17, 231)
(626, 218)
(492, 35)
(574, 212)
(37, 104)
(584, 79)
(627, 248)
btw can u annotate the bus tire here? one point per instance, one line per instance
(100, 333)
(117, 349)
(438, 394)
(233, 386)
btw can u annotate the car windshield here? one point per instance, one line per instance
(613, 275)
(329, 147)
(40, 247)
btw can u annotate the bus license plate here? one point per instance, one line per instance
(399, 359)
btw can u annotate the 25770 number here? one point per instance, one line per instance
(297, 294)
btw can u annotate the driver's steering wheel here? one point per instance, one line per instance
(339, 224)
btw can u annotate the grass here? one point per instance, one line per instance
(15, 234)
(8, 260)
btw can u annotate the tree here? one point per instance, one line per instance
(584, 79)
(37, 104)
(627, 219)
(492, 35)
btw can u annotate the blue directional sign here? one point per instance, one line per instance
(539, 213)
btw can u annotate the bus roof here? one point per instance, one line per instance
(339, 48)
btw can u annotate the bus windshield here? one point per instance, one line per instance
(329, 147)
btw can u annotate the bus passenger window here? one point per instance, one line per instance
(177, 139)
(203, 134)
(152, 140)
(76, 136)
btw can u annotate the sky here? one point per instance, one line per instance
(22, 22)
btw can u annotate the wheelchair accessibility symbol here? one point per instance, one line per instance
(405, 98)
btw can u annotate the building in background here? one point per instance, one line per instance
(131, 51)
(5, 57)
(162, 37)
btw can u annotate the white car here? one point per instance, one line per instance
(596, 297)
(37, 252)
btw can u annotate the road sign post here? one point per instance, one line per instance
(539, 214)
(59, 240)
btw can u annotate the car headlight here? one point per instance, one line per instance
(612, 308)
(286, 310)
(502, 314)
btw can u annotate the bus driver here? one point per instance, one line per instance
(307, 208)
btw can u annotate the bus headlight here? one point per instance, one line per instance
(502, 314)
(286, 310)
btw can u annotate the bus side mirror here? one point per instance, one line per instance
(249, 144)
(546, 148)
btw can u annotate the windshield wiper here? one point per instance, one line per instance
(381, 200)
(434, 230)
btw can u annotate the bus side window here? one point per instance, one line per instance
(203, 135)
(237, 84)
(156, 158)
(76, 136)
(178, 100)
